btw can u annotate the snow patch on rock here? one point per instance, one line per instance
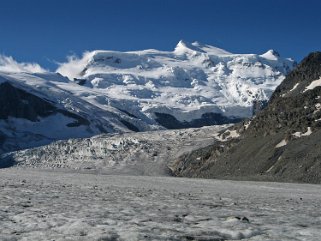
(300, 134)
(313, 84)
(228, 135)
(281, 143)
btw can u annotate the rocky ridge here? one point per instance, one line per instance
(281, 143)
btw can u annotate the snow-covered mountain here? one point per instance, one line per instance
(115, 92)
(188, 83)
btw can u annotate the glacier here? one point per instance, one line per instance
(44, 205)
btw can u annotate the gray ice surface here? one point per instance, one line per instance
(41, 205)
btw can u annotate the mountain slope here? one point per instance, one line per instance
(38, 109)
(281, 143)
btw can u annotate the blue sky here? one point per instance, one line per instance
(47, 31)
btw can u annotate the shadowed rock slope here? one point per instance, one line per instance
(281, 143)
(23, 118)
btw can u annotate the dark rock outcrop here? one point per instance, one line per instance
(25, 106)
(129, 125)
(282, 143)
(18, 103)
(207, 119)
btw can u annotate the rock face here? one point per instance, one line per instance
(21, 111)
(207, 119)
(281, 143)
(20, 104)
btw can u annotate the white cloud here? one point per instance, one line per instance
(74, 65)
(8, 64)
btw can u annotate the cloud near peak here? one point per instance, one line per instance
(10, 65)
(74, 65)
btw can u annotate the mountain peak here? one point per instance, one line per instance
(313, 58)
(184, 47)
(271, 54)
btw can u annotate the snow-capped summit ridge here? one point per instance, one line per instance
(271, 54)
(187, 82)
(196, 47)
(210, 49)
(184, 47)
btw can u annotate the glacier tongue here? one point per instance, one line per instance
(145, 153)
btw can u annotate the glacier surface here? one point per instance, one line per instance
(38, 205)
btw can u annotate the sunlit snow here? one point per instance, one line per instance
(191, 80)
